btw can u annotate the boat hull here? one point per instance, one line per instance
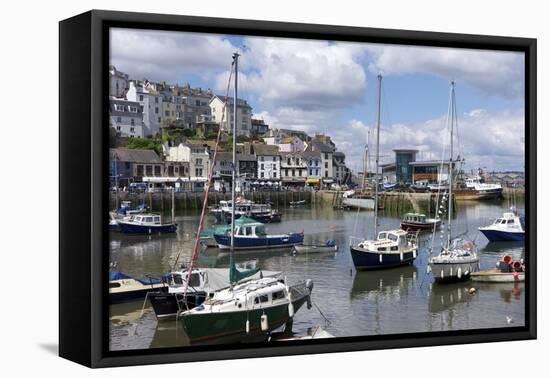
(206, 326)
(132, 295)
(370, 260)
(449, 272)
(240, 242)
(361, 203)
(498, 277)
(409, 226)
(496, 235)
(132, 228)
(472, 194)
(224, 217)
(166, 304)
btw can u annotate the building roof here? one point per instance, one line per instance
(308, 154)
(134, 155)
(246, 157)
(319, 146)
(240, 102)
(263, 149)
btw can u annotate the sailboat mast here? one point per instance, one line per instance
(450, 210)
(233, 175)
(377, 157)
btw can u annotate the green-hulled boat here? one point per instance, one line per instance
(247, 311)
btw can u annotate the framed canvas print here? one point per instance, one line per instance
(234, 188)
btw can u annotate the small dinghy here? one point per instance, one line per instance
(297, 203)
(123, 288)
(506, 270)
(328, 247)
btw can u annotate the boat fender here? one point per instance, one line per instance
(248, 326)
(472, 290)
(414, 253)
(466, 272)
(459, 273)
(264, 322)
(290, 308)
(451, 271)
(380, 258)
(308, 302)
(309, 284)
(428, 269)
(442, 274)
(401, 256)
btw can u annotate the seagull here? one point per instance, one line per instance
(509, 319)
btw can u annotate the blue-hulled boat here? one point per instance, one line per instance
(146, 224)
(124, 288)
(391, 248)
(510, 227)
(254, 236)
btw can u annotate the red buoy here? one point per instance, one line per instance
(507, 259)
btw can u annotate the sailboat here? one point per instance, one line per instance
(248, 310)
(390, 248)
(458, 257)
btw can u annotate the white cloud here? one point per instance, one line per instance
(494, 72)
(167, 56)
(302, 73)
(487, 139)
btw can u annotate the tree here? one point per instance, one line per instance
(145, 144)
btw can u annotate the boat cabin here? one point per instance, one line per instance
(251, 229)
(509, 220)
(176, 280)
(414, 218)
(395, 239)
(146, 219)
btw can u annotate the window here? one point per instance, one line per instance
(119, 119)
(157, 110)
(311, 172)
(119, 108)
(132, 122)
(288, 161)
(262, 166)
(133, 109)
(157, 170)
(262, 174)
(140, 97)
(156, 100)
(278, 295)
(274, 174)
(261, 299)
(261, 159)
(113, 285)
(326, 164)
(132, 129)
(166, 113)
(198, 161)
(293, 172)
(118, 128)
(382, 236)
(510, 221)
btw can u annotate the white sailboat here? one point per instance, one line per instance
(458, 258)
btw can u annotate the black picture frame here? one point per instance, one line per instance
(83, 182)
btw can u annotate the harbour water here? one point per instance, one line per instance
(346, 302)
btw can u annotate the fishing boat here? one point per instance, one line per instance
(124, 288)
(297, 203)
(509, 227)
(126, 208)
(458, 258)
(259, 212)
(391, 248)
(207, 235)
(255, 236)
(147, 224)
(328, 247)
(202, 284)
(420, 186)
(416, 221)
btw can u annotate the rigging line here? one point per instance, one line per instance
(439, 180)
(208, 184)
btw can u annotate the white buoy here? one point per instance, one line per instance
(290, 307)
(264, 322)
(248, 326)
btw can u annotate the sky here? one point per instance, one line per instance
(331, 87)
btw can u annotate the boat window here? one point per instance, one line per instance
(157, 220)
(392, 237)
(394, 248)
(260, 231)
(195, 280)
(148, 219)
(503, 221)
(277, 295)
(497, 221)
(137, 219)
(381, 236)
(510, 221)
(261, 299)
(176, 279)
(113, 285)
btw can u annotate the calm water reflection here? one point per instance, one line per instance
(356, 303)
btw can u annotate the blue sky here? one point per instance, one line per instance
(330, 87)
